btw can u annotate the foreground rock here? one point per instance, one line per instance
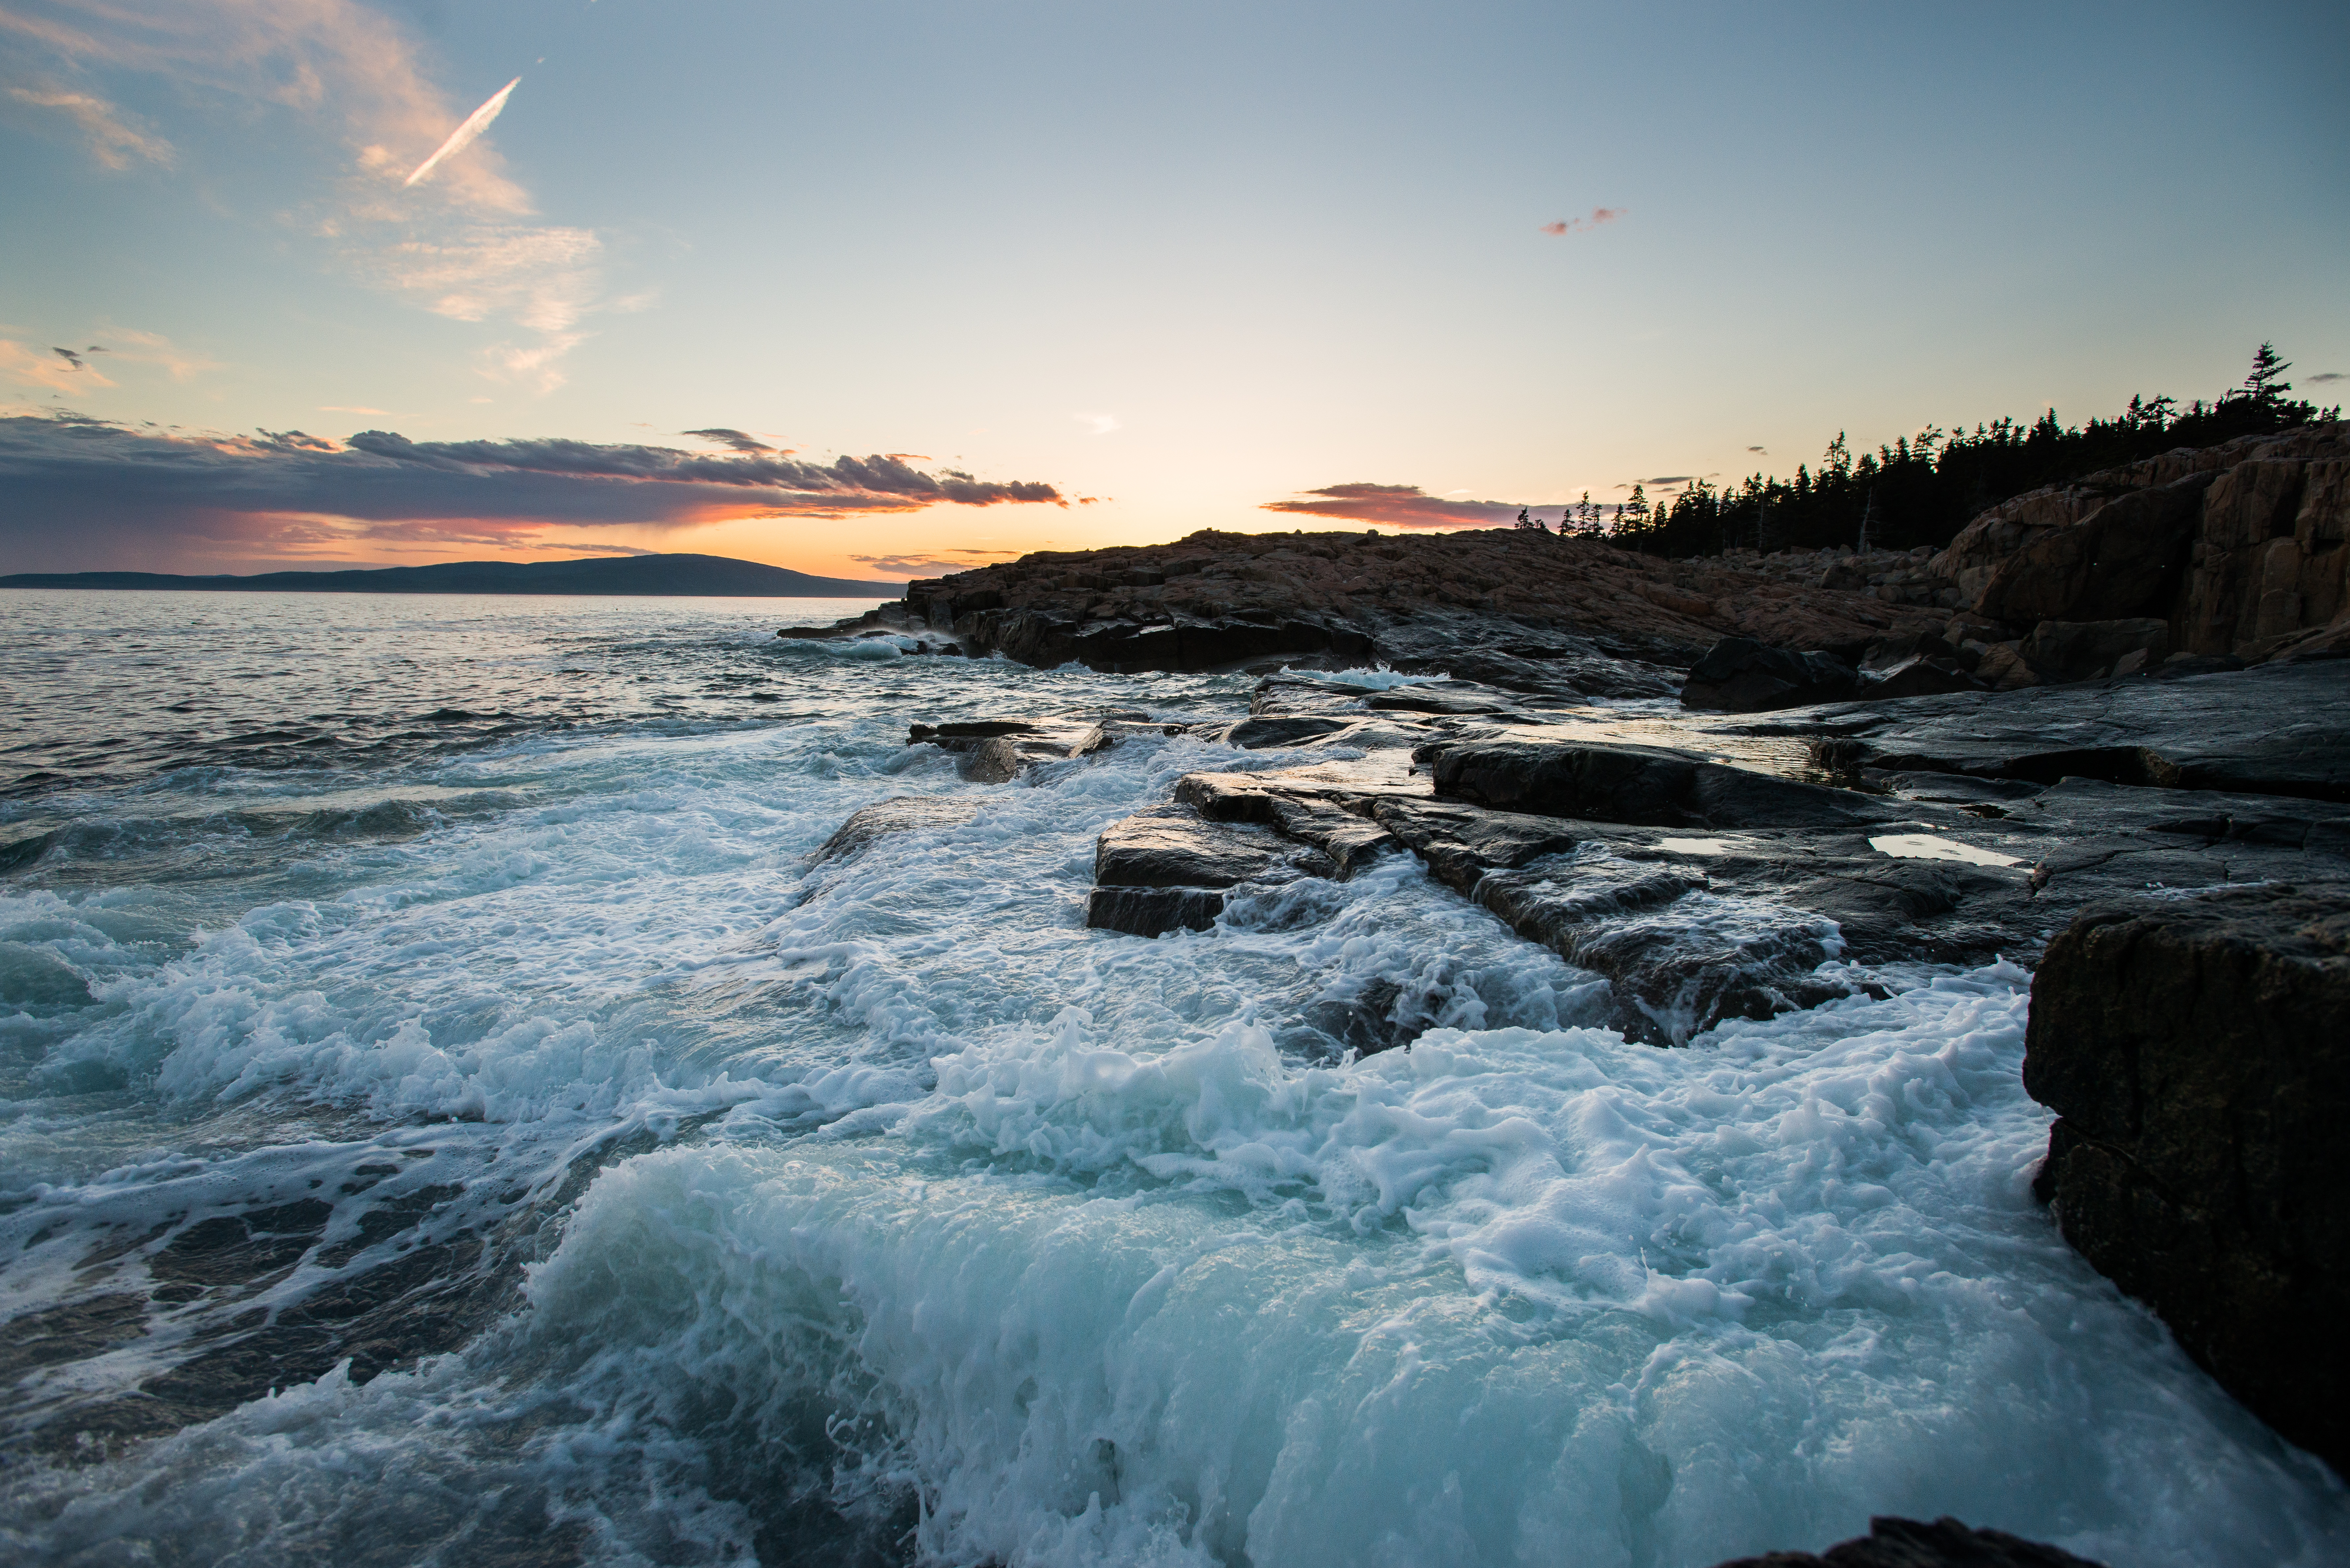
(1698, 888)
(1167, 869)
(2197, 1052)
(1907, 1543)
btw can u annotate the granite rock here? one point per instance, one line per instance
(2197, 1052)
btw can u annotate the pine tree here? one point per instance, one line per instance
(2266, 385)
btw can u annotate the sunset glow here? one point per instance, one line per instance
(1466, 264)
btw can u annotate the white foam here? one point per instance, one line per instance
(1375, 677)
(1062, 1233)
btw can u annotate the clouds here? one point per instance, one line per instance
(60, 371)
(403, 213)
(735, 439)
(1397, 507)
(29, 366)
(109, 138)
(2326, 376)
(1594, 219)
(911, 566)
(87, 492)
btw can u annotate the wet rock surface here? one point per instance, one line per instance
(1910, 1543)
(2276, 728)
(1698, 888)
(1169, 869)
(997, 750)
(1740, 675)
(1640, 785)
(2197, 1052)
(874, 823)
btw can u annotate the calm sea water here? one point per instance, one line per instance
(445, 1117)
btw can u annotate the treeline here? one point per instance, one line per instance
(1923, 489)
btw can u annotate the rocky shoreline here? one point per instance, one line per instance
(2104, 735)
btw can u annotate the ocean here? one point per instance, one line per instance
(447, 1118)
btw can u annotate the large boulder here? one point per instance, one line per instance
(1907, 1543)
(2197, 1052)
(2241, 548)
(2125, 558)
(1740, 675)
(1169, 868)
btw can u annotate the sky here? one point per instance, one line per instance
(889, 289)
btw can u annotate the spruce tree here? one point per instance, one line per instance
(2266, 385)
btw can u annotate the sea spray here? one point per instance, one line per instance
(685, 1201)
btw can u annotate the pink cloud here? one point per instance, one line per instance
(1594, 219)
(1397, 507)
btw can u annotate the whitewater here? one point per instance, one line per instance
(447, 1116)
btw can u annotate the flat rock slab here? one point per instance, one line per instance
(2197, 1052)
(1169, 868)
(2275, 729)
(1642, 784)
(1171, 846)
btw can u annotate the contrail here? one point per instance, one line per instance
(463, 137)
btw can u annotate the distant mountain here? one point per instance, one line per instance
(699, 575)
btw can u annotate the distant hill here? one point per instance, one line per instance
(698, 575)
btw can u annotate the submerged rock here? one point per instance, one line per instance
(1908, 1543)
(2197, 1052)
(903, 814)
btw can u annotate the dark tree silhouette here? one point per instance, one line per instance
(1922, 489)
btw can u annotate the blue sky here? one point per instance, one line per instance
(1168, 264)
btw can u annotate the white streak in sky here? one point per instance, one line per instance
(463, 137)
